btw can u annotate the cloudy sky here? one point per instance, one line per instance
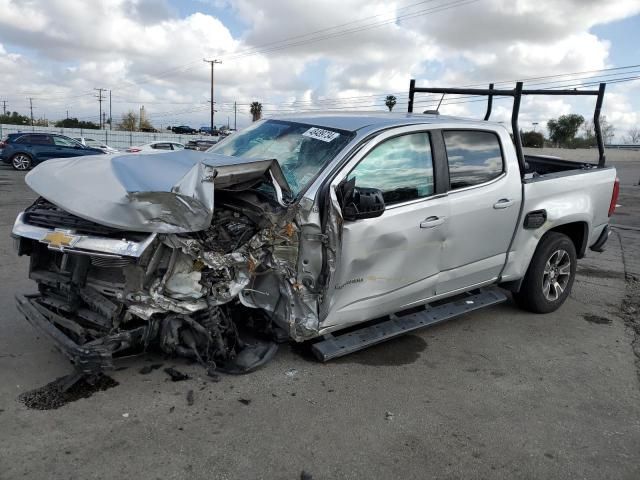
(294, 55)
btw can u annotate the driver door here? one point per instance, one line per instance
(390, 262)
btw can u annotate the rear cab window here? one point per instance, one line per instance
(401, 167)
(474, 157)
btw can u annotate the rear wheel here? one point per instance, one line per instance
(550, 276)
(21, 161)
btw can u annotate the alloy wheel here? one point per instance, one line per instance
(556, 275)
(21, 162)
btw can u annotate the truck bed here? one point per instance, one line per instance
(544, 165)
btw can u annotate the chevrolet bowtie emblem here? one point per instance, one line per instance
(58, 240)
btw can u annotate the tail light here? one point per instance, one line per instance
(134, 150)
(614, 196)
(3, 143)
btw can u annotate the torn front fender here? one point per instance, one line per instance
(169, 193)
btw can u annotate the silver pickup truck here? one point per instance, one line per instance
(341, 230)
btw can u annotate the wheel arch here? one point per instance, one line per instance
(578, 232)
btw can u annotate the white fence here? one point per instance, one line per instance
(119, 139)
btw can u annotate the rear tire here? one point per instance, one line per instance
(21, 161)
(550, 276)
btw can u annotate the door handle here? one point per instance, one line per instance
(503, 203)
(431, 222)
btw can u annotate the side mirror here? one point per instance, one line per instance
(360, 202)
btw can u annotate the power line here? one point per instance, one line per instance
(420, 13)
(266, 49)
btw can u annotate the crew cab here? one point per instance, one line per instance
(341, 230)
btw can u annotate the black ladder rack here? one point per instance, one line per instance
(517, 93)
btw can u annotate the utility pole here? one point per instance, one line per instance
(4, 107)
(100, 98)
(110, 117)
(67, 114)
(212, 63)
(235, 111)
(31, 109)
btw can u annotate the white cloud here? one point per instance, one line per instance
(146, 52)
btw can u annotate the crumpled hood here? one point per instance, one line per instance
(167, 193)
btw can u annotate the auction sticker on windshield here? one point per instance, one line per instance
(321, 134)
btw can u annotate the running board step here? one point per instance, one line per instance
(340, 345)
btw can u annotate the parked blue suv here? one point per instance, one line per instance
(27, 149)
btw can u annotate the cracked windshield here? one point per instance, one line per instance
(301, 150)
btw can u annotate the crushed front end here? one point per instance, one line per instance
(218, 296)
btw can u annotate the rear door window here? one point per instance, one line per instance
(474, 157)
(36, 139)
(162, 146)
(401, 167)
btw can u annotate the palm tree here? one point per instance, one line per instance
(390, 102)
(256, 110)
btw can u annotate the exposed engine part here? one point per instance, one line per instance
(179, 296)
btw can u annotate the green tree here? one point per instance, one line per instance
(532, 139)
(14, 118)
(256, 110)
(73, 122)
(390, 102)
(563, 130)
(129, 121)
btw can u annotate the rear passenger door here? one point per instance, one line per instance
(40, 146)
(484, 199)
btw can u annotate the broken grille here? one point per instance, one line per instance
(43, 213)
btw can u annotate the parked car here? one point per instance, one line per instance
(25, 150)
(90, 142)
(156, 147)
(184, 129)
(373, 224)
(201, 145)
(207, 131)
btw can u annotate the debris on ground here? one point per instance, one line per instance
(190, 398)
(388, 416)
(147, 369)
(244, 401)
(597, 319)
(55, 394)
(176, 375)
(292, 372)
(125, 415)
(304, 475)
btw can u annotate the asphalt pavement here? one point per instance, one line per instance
(499, 393)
